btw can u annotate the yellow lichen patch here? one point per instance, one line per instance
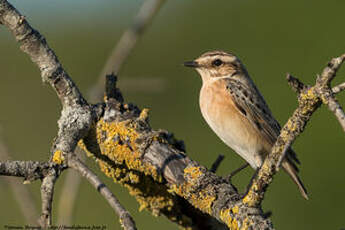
(235, 209)
(292, 126)
(193, 172)
(148, 194)
(246, 223)
(82, 145)
(251, 199)
(203, 201)
(134, 178)
(265, 168)
(228, 220)
(309, 99)
(115, 148)
(309, 94)
(144, 114)
(117, 140)
(206, 202)
(58, 157)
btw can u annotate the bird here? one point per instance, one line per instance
(235, 110)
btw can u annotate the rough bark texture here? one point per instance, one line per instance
(151, 164)
(156, 170)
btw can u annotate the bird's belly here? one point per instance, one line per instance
(233, 128)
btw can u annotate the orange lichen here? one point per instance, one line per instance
(58, 157)
(193, 172)
(144, 114)
(117, 140)
(228, 220)
(114, 146)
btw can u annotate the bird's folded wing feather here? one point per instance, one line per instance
(252, 105)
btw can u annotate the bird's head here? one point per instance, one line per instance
(217, 64)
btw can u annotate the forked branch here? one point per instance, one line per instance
(152, 164)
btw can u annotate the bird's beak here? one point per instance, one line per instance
(192, 64)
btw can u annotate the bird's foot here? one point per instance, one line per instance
(233, 173)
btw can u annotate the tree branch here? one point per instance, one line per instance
(151, 164)
(310, 99)
(47, 192)
(324, 89)
(125, 218)
(30, 170)
(35, 45)
(21, 192)
(338, 88)
(155, 169)
(69, 192)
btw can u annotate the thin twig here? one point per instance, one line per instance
(325, 91)
(30, 170)
(217, 162)
(69, 193)
(126, 44)
(76, 116)
(110, 88)
(125, 218)
(21, 192)
(338, 88)
(295, 84)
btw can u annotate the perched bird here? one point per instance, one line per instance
(236, 111)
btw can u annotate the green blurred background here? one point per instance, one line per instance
(270, 37)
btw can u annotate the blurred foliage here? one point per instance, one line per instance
(271, 37)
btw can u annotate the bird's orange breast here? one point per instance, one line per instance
(224, 118)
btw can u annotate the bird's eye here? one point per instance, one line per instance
(217, 62)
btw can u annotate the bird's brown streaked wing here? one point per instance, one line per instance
(252, 105)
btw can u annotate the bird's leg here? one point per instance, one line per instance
(233, 173)
(216, 164)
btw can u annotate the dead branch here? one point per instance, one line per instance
(120, 53)
(310, 99)
(151, 164)
(76, 116)
(47, 193)
(125, 218)
(21, 192)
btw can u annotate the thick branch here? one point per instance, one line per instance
(153, 166)
(35, 45)
(76, 116)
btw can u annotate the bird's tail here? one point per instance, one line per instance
(290, 169)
